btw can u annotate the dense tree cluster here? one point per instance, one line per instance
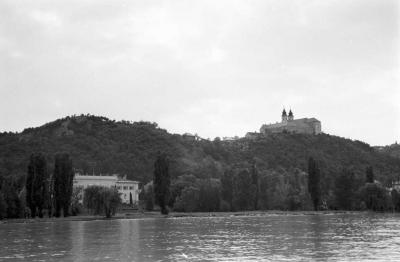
(192, 194)
(38, 190)
(345, 190)
(246, 188)
(12, 204)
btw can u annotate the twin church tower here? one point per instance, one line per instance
(286, 117)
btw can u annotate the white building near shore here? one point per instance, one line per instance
(125, 187)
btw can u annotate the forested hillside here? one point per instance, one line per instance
(99, 145)
(392, 150)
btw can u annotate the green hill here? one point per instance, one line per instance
(100, 145)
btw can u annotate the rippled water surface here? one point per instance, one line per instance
(341, 237)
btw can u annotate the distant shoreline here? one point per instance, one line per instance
(154, 214)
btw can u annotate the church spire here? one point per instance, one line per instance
(290, 118)
(284, 115)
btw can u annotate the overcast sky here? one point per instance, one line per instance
(216, 68)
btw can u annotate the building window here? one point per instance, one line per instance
(131, 188)
(125, 188)
(119, 187)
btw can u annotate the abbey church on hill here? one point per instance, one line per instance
(291, 125)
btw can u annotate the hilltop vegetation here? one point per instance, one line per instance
(392, 150)
(99, 145)
(96, 145)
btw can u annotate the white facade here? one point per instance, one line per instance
(396, 185)
(125, 187)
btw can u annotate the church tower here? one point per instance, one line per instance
(290, 118)
(284, 116)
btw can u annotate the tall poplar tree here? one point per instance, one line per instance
(227, 187)
(3, 206)
(36, 184)
(314, 187)
(254, 179)
(161, 182)
(369, 175)
(63, 183)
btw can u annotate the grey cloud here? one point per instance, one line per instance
(216, 68)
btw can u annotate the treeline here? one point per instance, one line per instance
(246, 188)
(240, 188)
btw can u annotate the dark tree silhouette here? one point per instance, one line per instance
(36, 184)
(162, 182)
(227, 187)
(242, 188)
(254, 179)
(11, 198)
(209, 197)
(369, 175)
(63, 182)
(375, 197)
(3, 206)
(314, 182)
(395, 199)
(345, 188)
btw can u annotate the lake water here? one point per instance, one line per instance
(292, 237)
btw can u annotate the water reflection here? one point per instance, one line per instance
(129, 240)
(272, 237)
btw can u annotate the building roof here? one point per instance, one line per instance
(88, 177)
(114, 178)
(307, 120)
(127, 182)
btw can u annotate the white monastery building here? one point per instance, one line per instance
(289, 124)
(125, 187)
